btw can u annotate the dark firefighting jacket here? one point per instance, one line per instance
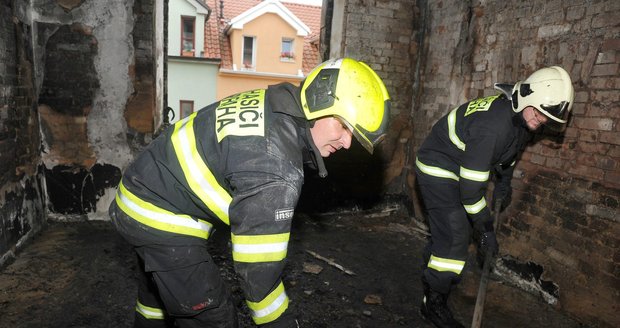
(479, 138)
(239, 161)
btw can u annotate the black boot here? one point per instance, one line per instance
(435, 309)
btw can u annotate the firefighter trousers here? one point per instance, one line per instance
(447, 250)
(179, 285)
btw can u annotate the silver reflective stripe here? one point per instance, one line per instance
(260, 248)
(200, 179)
(477, 207)
(271, 307)
(159, 218)
(149, 312)
(170, 219)
(441, 264)
(436, 171)
(452, 131)
(480, 176)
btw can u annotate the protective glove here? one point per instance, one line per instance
(502, 194)
(488, 243)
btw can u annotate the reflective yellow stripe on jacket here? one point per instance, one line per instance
(260, 248)
(198, 176)
(473, 175)
(149, 312)
(158, 218)
(442, 264)
(452, 131)
(271, 307)
(477, 207)
(436, 171)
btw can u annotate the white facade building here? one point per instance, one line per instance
(191, 77)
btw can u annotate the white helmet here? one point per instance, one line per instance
(549, 90)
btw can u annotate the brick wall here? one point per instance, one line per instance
(22, 211)
(379, 33)
(69, 72)
(564, 215)
(140, 111)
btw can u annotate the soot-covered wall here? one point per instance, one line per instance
(22, 200)
(77, 101)
(560, 235)
(97, 97)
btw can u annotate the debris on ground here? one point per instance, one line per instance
(83, 274)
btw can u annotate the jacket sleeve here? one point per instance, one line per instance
(474, 175)
(260, 221)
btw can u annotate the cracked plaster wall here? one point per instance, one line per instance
(77, 101)
(88, 146)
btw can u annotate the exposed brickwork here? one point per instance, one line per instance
(140, 110)
(8, 90)
(21, 200)
(564, 214)
(78, 81)
(380, 33)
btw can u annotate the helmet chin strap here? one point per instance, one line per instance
(315, 155)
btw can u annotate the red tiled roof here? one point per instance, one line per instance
(217, 44)
(311, 16)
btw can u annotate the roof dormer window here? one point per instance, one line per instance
(287, 54)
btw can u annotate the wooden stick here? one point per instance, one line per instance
(331, 262)
(484, 278)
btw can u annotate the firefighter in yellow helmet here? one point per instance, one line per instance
(239, 163)
(473, 142)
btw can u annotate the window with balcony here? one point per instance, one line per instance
(287, 54)
(249, 51)
(186, 108)
(188, 28)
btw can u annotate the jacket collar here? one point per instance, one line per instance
(286, 98)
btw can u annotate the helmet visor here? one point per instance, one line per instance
(558, 113)
(369, 139)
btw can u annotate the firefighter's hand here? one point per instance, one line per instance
(488, 243)
(502, 195)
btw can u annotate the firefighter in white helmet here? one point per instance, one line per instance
(238, 162)
(475, 141)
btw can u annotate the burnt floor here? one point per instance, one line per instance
(82, 275)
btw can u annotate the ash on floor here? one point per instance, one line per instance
(344, 270)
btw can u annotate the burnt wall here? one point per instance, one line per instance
(140, 110)
(96, 104)
(381, 34)
(22, 211)
(76, 103)
(564, 214)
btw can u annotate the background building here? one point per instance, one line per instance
(219, 48)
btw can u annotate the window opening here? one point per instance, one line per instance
(249, 45)
(287, 54)
(188, 27)
(186, 108)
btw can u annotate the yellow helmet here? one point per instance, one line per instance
(351, 91)
(549, 90)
